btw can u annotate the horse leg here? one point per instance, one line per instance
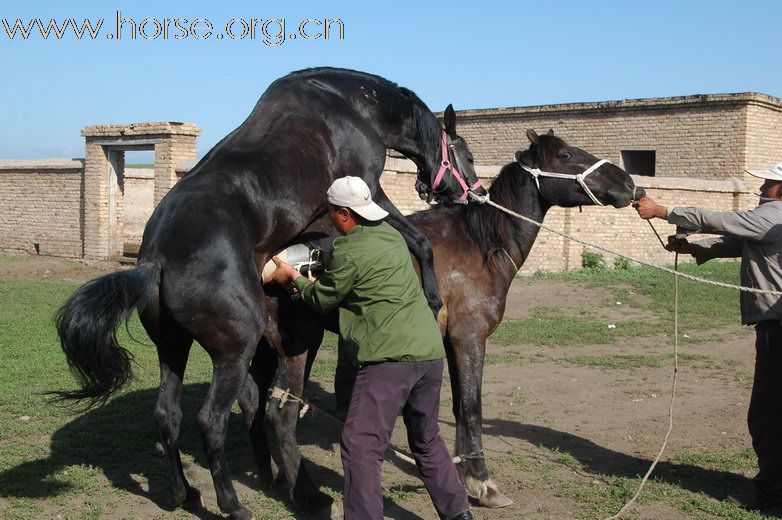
(418, 245)
(465, 354)
(168, 415)
(173, 347)
(282, 417)
(252, 401)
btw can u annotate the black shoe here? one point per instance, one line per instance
(467, 515)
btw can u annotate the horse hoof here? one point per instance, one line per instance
(486, 493)
(193, 500)
(242, 514)
(495, 501)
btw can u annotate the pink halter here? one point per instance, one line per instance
(445, 165)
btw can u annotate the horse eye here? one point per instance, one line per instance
(566, 155)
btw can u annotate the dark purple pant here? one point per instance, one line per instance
(765, 411)
(381, 392)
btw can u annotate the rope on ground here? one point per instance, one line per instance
(486, 200)
(285, 395)
(673, 394)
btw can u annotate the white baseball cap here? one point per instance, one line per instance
(774, 173)
(353, 192)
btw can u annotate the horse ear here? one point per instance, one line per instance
(532, 136)
(550, 131)
(450, 120)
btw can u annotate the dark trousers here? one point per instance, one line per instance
(381, 392)
(765, 412)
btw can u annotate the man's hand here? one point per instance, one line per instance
(647, 209)
(284, 273)
(679, 245)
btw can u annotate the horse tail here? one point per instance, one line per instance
(87, 326)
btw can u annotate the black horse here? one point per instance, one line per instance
(256, 190)
(478, 251)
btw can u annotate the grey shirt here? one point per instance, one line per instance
(756, 236)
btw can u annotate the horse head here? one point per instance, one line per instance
(453, 175)
(568, 176)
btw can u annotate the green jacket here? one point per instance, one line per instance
(383, 314)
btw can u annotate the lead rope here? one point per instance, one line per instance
(673, 388)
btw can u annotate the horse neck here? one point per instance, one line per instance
(528, 202)
(416, 136)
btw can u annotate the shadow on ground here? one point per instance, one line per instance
(598, 460)
(120, 439)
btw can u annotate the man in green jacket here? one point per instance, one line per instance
(386, 325)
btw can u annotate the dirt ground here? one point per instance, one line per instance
(550, 427)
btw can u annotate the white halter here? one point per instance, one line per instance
(580, 178)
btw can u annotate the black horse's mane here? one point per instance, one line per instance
(424, 129)
(421, 119)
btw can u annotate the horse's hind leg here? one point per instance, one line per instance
(173, 347)
(230, 370)
(252, 401)
(282, 417)
(168, 414)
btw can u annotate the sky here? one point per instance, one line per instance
(474, 54)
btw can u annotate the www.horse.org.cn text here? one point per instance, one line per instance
(271, 32)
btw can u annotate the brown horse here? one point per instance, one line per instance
(477, 251)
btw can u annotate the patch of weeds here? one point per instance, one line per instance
(590, 260)
(621, 263)
(324, 368)
(552, 327)
(329, 341)
(403, 492)
(738, 462)
(701, 306)
(502, 358)
(617, 361)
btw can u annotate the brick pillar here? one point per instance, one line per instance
(168, 154)
(104, 167)
(96, 201)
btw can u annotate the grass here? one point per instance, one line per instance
(617, 361)
(82, 465)
(702, 307)
(78, 465)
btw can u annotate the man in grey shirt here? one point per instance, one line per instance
(756, 236)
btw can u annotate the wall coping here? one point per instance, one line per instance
(141, 129)
(656, 103)
(35, 165)
(729, 185)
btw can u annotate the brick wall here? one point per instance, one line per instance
(709, 136)
(763, 139)
(41, 203)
